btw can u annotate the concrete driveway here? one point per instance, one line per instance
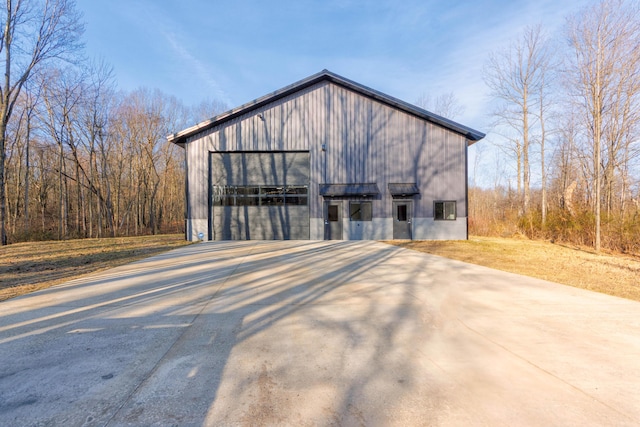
(316, 333)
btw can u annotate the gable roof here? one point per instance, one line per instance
(472, 135)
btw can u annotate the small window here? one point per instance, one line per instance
(294, 190)
(296, 195)
(248, 191)
(360, 211)
(301, 201)
(333, 213)
(445, 211)
(402, 213)
(228, 201)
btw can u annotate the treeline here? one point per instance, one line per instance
(567, 124)
(496, 212)
(77, 157)
(84, 160)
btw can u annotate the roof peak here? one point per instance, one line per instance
(471, 134)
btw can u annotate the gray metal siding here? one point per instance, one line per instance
(261, 223)
(365, 140)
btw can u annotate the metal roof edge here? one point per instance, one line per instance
(180, 137)
(472, 135)
(468, 132)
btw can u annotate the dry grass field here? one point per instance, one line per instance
(611, 274)
(26, 267)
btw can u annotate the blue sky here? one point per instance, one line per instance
(236, 51)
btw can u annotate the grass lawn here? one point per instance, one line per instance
(611, 274)
(26, 267)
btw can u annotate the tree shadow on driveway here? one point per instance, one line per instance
(224, 333)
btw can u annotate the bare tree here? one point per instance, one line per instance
(62, 94)
(207, 109)
(33, 32)
(31, 100)
(141, 123)
(546, 104)
(516, 78)
(445, 105)
(543, 140)
(564, 163)
(603, 72)
(96, 109)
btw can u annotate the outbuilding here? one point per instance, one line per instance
(326, 158)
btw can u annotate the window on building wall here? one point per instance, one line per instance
(360, 211)
(445, 211)
(401, 213)
(296, 195)
(260, 195)
(333, 213)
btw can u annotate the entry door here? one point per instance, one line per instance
(333, 220)
(402, 214)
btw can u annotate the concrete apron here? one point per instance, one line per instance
(316, 333)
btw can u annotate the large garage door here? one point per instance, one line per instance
(258, 195)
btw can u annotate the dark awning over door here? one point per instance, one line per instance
(404, 189)
(342, 190)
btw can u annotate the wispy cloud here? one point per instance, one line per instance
(196, 65)
(237, 51)
(172, 41)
